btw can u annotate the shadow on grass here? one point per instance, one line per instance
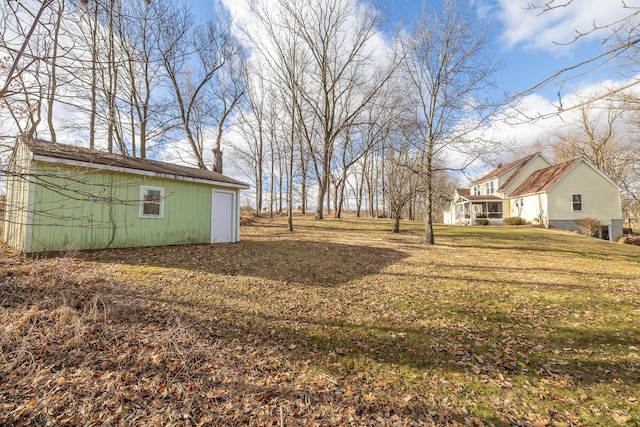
(293, 261)
(117, 332)
(340, 343)
(529, 239)
(337, 334)
(467, 343)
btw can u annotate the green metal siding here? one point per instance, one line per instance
(90, 209)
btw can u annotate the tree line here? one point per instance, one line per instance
(324, 105)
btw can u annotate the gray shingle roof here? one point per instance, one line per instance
(131, 164)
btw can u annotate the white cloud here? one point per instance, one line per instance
(538, 119)
(537, 30)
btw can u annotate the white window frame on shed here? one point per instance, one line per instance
(144, 201)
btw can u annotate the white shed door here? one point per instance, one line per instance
(222, 217)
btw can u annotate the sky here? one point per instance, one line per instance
(530, 45)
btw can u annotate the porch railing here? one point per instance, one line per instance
(489, 215)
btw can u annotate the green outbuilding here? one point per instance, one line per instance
(62, 197)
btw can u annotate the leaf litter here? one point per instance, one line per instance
(340, 323)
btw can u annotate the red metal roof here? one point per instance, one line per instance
(543, 179)
(520, 163)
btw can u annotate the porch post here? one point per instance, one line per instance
(472, 214)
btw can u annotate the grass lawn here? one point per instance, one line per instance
(338, 323)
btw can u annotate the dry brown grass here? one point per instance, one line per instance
(339, 323)
(630, 241)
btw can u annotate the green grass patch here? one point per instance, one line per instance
(492, 325)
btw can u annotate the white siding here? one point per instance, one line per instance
(600, 198)
(533, 209)
(538, 163)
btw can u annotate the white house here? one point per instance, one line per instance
(541, 193)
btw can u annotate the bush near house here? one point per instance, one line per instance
(589, 226)
(482, 221)
(630, 241)
(514, 220)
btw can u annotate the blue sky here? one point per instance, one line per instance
(531, 45)
(525, 42)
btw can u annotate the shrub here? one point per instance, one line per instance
(630, 240)
(247, 210)
(589, 226)
(514, 220)
(482, 221)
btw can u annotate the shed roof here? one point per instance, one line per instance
(74, 155)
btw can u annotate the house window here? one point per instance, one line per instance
(576, 202)
(151, 202)
(489, 188)
(476, 190)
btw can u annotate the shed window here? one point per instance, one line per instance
(576, 202)
(151, 202)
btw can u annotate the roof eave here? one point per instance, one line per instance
(141, 172)
(517, 165)
(517, 196)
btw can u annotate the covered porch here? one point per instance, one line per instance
(467, 209)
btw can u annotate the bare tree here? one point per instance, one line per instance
(603, 133)
(27, 38)
(371, 127)
(283, 60)
(252, 126)
(18, 42)
(343, 74)
(448, 66)
(621, 41)
(402, 180)
(226, 92)
(192, 56)
(143, 75)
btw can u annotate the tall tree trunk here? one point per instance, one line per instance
(217, 160)
(113, 81)
(280, 181)
(428, 237)
(94, 76)
(323, 185)
(53, 77)
(273, 175)
(336, 185)
(259, 184)
(303, 177)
